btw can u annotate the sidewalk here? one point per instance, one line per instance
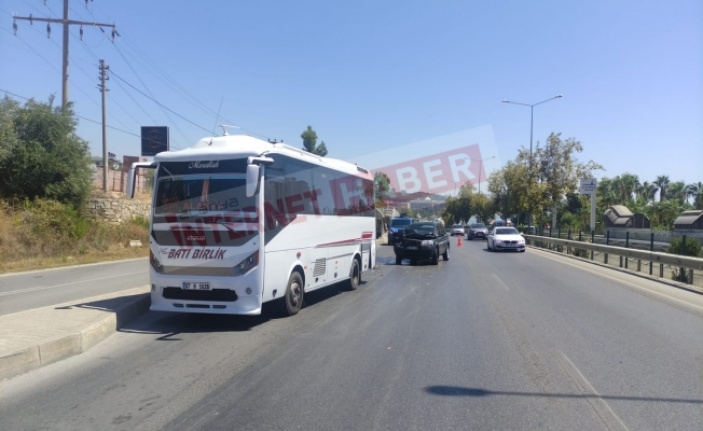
(34, 338)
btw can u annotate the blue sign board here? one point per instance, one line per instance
(154, 140)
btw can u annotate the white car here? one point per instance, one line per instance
(458, 229)
(505, 238)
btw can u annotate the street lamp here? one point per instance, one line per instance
(532, 121)
(532, 116)
(480, 168)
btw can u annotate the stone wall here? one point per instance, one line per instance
(118, 209)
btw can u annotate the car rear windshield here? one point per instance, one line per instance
(478, 226)
(400, 222)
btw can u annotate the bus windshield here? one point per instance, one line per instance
(202, 194)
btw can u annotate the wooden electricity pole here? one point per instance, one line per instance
(65, 22)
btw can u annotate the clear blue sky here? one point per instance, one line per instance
(370, 75)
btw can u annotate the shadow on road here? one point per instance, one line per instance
(460, 391)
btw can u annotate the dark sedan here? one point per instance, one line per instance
(422, 241)
(477, 230)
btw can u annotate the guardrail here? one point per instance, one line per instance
(686, 268)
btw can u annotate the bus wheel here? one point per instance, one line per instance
(293, 301)
(354, 275)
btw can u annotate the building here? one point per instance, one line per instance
(689, 220)
(621, 216)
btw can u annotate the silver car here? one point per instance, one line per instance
(505, 238)
(477, 230)
(458, 229)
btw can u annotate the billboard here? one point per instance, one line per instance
(154, 140)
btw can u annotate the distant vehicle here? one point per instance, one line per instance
(477, 230)
(396, 226)
(505, 238)
(422, 241)
(458, 229)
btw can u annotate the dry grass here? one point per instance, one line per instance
(46, 234)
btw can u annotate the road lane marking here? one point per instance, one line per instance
(505, 286)
(602, 408)
(38, 288)
(630, 284)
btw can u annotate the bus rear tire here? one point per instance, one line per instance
(354, 275)
(292, 302)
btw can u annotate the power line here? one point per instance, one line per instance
(159, 103)
(65, 22)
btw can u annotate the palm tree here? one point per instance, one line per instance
(646, 192)
(662, 182)
(677, 191)
(695, 191)
(628, 187)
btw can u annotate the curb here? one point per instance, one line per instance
(35, 338)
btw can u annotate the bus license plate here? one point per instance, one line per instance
(196, 285)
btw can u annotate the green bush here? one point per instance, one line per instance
(692, 247)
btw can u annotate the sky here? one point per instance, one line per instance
(379, 77)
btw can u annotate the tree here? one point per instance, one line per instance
(381, 187)
(512, 191)
(40, 154)
(695, 191)
(309, 137)
(559, 170)
(677, 191)
(662, 182)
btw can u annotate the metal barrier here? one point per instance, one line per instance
(678, 263)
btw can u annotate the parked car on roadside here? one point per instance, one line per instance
(422, 241)
(477, 230)
(505, 238)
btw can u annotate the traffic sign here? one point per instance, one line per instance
(588, 186)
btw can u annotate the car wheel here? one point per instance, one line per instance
(398, 260)
(445, 255)
(435, 257)
(354, 275)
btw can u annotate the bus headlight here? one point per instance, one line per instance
(155, 263)
(248, 263)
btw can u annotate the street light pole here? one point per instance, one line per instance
(532, 115)
(532, 122)
(480, 168)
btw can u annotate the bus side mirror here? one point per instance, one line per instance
(253, 172)
(132, 177)
(252, 179)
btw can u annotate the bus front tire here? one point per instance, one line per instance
(293, 300)
(354, 275)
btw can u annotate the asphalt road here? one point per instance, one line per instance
(494, 341)
(34, 289)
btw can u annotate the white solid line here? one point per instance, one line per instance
(38, 288)
(601, 274)
(602, 408)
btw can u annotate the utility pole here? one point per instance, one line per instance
(104, 90)
(65, 22)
